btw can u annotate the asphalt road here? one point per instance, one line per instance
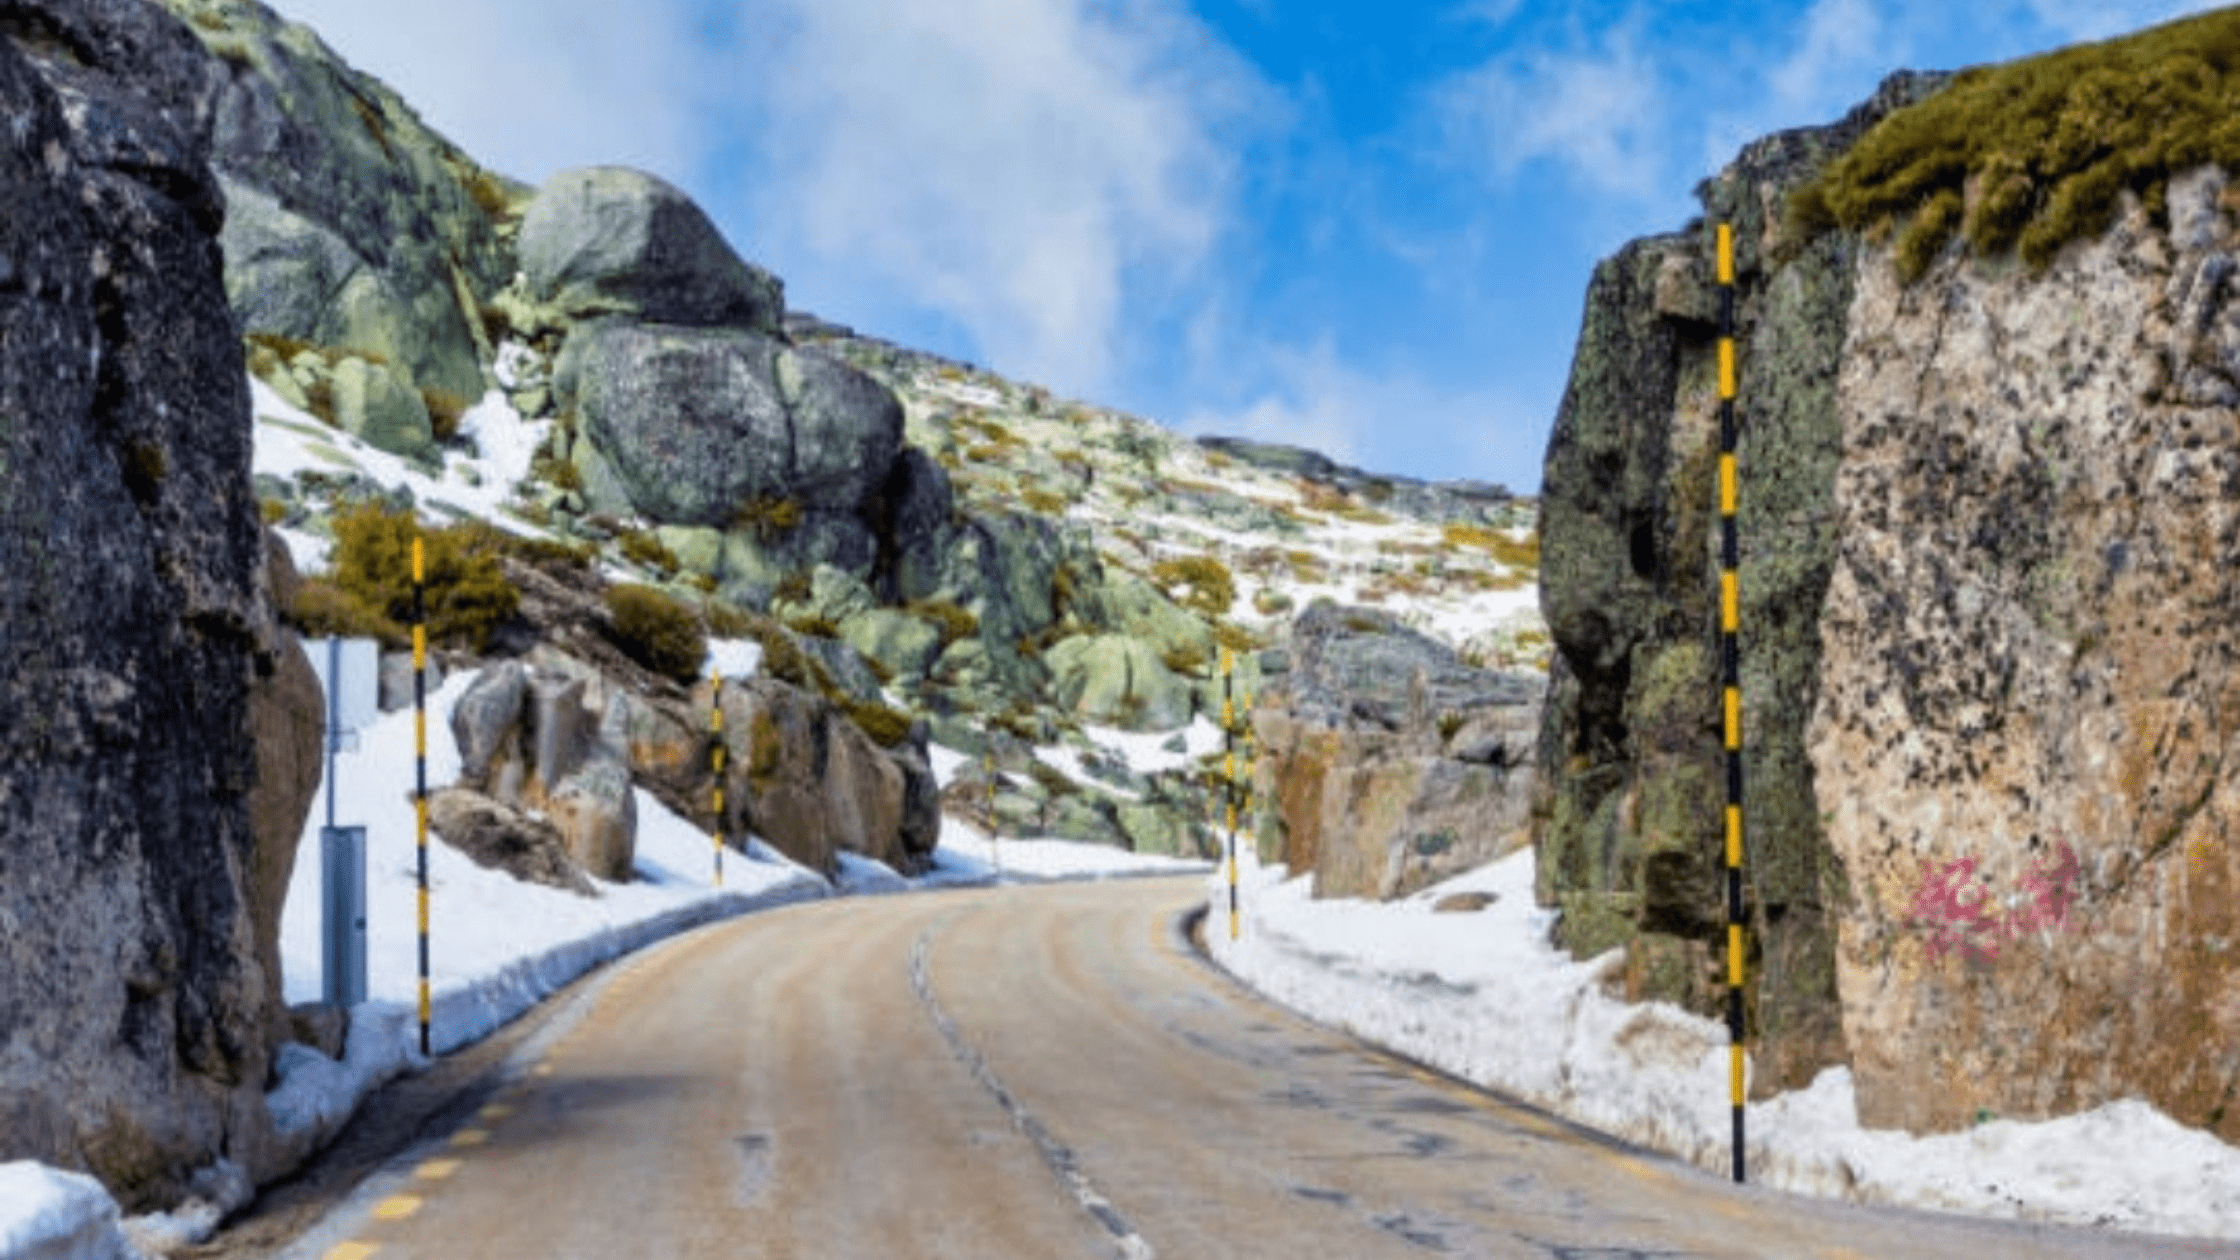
(1045, 1073)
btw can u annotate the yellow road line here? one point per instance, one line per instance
(496, 1111)
(470, 1137)
(396, 1208)
(437, 1169)
(350, 1251)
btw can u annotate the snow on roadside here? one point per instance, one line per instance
(48, 1214)
(1483, 996)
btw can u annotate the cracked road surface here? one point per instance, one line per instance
(1043, 1073)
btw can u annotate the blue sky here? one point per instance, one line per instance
(1360, 227)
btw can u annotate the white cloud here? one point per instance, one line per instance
(1596, 114)
(530, 87)
(1840, 38)
(1027, 168)
(1393, 421)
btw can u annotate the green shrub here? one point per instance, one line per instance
(2041, 150)
(557, 473)
(886, 726)
(1269, 602)
(1201, 583)
(1931, 230)
(645, 548)
(769, 518)
(467, 594)
(323, 610)
(727, 620)
(954, 622)
(658, 631)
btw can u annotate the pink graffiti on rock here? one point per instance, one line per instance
(1961, 913)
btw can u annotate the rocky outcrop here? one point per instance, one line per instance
(1630, 824)
(1988, 708)
(1118, 681)
(1387, 763)
(2026, 740)
(1466, 501)
(287, 722)
(608, 240)
(703, 426)
(500, 837)
(134, 1012)
(808, 780)
(351, 223)
(551, 741)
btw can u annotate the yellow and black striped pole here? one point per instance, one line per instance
(1229, 775)
(715, 764)
(1730, 654)
(420, 763)
(995, 833)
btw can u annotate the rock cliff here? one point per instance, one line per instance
(1989, 542)
(1390, 764)
(135, 1009)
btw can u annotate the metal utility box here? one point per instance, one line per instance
(342, 953)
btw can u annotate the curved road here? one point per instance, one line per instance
(1043, 1073)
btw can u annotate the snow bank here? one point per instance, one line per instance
(1483, 996)
(46, 1214)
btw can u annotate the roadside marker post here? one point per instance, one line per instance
(1229, 773)
(995, 833)
(1730, 655)
(715, 763)
(420, 763)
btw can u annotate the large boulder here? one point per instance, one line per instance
(501, 837)
(1390, 763)
(1119, 681)
(374, 404)
(712, 426)
(552, 738)
(135, 1009)
(287, 721)
(608, 240)
(808, 780)
(353, 225)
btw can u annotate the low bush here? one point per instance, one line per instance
(467, 594)
(2036, 153)
(657, 630)
(1200, 583)
(887, 727)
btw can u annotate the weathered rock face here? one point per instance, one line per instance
(287, 721)
(802, 776)
(552, 740)
(1629, 825)
(2027, 735)
(500, 837)
(133, 1011)
(1989, 541)
(1363, 744)
(608, 240)
(1118, 681)
(701, 423)
(352, 224)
